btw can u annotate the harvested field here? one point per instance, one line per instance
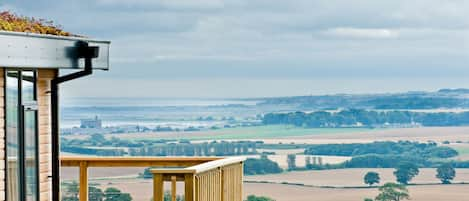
(286, 135)
(297, 193)
(351, 177)
(300, 159)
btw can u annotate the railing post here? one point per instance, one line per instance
(83, 181)
(173, 188)
(158, 185)
(189, 187)
(222, 183)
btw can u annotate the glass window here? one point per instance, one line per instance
(22, 137)
(30, 134)
(12, 137)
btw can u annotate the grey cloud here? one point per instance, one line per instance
(270, 39)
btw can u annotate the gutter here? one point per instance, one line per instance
(87, 53)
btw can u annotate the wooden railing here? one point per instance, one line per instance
(205, 178)
(218, 180)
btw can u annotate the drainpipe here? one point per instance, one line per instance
(88, 53)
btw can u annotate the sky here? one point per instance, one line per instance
(264, 48)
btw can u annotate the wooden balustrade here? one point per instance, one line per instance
(218, 180)
(205, 178)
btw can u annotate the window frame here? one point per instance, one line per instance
(21, 109)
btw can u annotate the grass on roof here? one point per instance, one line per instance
(12, 22)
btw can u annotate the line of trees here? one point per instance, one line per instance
(365, 118)
(406, 171)
(387, 154)
(425, 150)
(222, 148)
(95, 193)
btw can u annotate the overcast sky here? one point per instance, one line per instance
(247, 48)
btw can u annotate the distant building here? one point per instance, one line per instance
(91, 123)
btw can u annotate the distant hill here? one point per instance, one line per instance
(460, 91)
(444, 98)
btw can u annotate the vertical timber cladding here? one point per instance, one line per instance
(2, 135)
(43, 88)
(43, 98)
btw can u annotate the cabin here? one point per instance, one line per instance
(30, 161)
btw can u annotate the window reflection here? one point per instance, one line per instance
(21, 136)
(12, 135)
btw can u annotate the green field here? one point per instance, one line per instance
(462, 150)
(265, 132)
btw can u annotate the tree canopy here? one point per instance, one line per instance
(392, 192)
(446, 173)
(371, 178)
(405, 172)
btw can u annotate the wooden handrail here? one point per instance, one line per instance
(204, 167)
(135, 161)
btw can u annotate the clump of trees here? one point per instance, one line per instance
(258, 198)
(371, 178)
(385, 154)
(425, 150)
(167, 196)
(405, 172)
(291, 161)
(445, 173)
(391, 192)
(95, 193)
(253, 166)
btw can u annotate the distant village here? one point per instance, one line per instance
(95, 126)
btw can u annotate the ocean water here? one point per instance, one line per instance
(140, 102)
(152, 112)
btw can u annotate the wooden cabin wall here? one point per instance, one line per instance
(44, 120)
(2, 134)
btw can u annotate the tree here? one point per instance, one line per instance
(71, 193)
(291, 161)
(392, 192)
(97, 138)
(114, 194)
(405, 172)
(371, 178)
(258, 198)
(95, 194)
(167, 197)
(254, 166)
(445, 173)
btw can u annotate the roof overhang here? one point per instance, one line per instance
(28, 50)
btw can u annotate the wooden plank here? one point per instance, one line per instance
(158, 185)
(173, 188)
(189, 187)
(135, 161)
(83, 181)
(215, 164)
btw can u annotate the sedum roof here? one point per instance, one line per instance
(12, 22)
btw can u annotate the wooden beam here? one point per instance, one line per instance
(136, 161)
(189, 187)
(83, 181)
(173, 188)
(158, 187)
